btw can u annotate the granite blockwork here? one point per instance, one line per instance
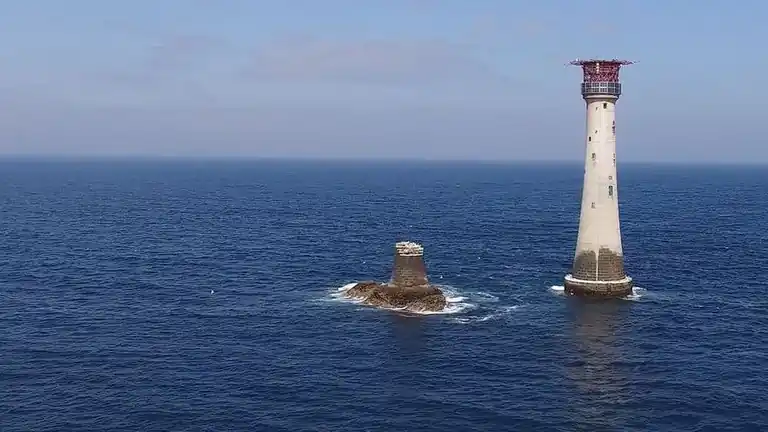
(606, 266)
(585, 266)
(409, 271)
(604, 290)
(593, 274)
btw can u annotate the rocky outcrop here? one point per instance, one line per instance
(362, 290)
(409, 288)
(426, 298)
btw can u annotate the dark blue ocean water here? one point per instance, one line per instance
(198, 296)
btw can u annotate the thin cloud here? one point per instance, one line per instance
(172, 59)
(491, 28)
(198, 69)
(366, 62)
(182, 52)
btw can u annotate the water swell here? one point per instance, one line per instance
(107, 270)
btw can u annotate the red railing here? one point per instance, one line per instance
(601, 70)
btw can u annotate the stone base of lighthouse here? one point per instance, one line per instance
(598, 289)
(598, 275)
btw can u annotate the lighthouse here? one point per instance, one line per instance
(598, 263)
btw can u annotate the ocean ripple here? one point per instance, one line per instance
(191, 296)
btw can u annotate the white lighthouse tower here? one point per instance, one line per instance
(598, 264)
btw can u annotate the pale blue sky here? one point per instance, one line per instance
(479, 79)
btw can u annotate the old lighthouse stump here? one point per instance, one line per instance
(408, 289)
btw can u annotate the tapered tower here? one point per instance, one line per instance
(409, 269)
(598, 264)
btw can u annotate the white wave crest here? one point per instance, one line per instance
(637, 294)
(485, 297)
(338, 294)
(455, 303)
(557, 289)
(450, 309)
(346, 287)
(498, 313)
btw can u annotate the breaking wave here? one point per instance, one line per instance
(496, 313)
(463, 306)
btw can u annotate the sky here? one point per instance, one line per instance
(422, 79)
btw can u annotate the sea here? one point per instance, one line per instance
(204, 295)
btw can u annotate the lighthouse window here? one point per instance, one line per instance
(610, 190)
(594, 156)
(610, 177)
(589, 139)
(593, 204)
(605, 105)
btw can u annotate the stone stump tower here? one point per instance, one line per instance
(409, 269)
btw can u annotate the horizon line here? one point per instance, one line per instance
(59, 157)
